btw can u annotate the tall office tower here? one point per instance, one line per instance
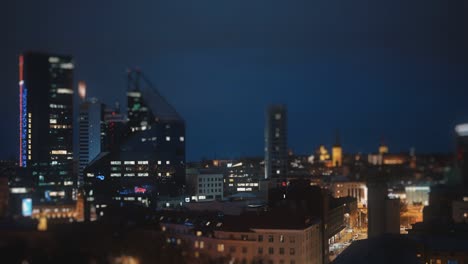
(144, 157)
(91, 126)
(337, 152)
(276, 154)
(46, 118)
(383, 213)
(462, 153)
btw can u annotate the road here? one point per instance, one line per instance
(349, 235)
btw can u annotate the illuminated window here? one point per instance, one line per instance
(159, 162)
(182, 139)
(168, 138)
(64, 91)
(220, 247)
(168, 162)
(129, 162)
(278, 116)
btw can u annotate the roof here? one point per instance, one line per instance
(384, 249)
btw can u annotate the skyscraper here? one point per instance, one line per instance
(462, 153)
(46, 118)
(147, 158)
(276, 155)
(90, 133)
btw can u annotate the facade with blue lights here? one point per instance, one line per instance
(46, 125)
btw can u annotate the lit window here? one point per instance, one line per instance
(182, 139)
(278, 171)
(278, 116)
(159, 162)
(220, 248)
(168, 162)
(168, 138)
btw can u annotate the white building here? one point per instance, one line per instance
(357, 190)
(204, 186)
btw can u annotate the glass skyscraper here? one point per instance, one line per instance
(148, 160)
(46, 118)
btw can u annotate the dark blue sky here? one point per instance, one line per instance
(370, 68)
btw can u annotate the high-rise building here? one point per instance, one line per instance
(462, 153)
(383, 213)
(276, 154)
(46, 118)
(337, 153)
(90, 133)
(144, 157)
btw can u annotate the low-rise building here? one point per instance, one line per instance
(271, 237)
(354, 189)
(204, 186)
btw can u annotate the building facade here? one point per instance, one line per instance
(90, 133)
(249, 242)
(145, 157)
(46, 125)
(357, 190)
(203, 186)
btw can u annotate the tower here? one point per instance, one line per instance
(462, 153)
(276, 156)
(337, 152)
(46, 120)
(383, 148)
(90, 133)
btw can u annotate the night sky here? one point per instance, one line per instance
(370, 68)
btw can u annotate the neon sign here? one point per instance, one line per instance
(140, 190)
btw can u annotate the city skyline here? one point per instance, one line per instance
(370, 82)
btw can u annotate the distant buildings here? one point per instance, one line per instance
(204, 186)
(354, 189)
(244, 175)
(46, 119)
(276, 154)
